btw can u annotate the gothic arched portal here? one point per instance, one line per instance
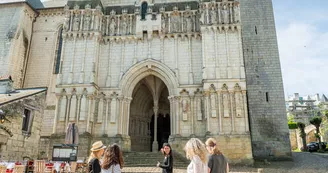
(149, 100)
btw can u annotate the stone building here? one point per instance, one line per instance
(21, 113)
(144, 72)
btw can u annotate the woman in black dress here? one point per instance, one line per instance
(167, 165)
(97, 151)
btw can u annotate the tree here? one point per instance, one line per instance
(316, 121)
(301, 126)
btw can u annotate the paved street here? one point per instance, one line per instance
(303, 163)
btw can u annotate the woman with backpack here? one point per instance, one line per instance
(217, 163)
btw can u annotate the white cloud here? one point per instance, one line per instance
(304, 58)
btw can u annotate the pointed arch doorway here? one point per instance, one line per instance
(149, 121)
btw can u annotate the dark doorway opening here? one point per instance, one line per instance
(163, 130)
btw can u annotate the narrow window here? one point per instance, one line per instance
(255, 30)
(26, 120)
(58, 51)
(267, 96)
(144, 7)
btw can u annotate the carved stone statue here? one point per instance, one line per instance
(124, 25)
(213, 16)
(67, 20)
(112, 27)
(236, 11)
(202, 17)
(76, 25)
(86, 23)
(225, 14)
(96, 22)
(185, 109)
(189, 24)
(175, 23)
(163, 24)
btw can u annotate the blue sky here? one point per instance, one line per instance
(302, 30)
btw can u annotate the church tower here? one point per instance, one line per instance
(267, 112)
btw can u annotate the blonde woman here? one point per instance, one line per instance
(217, 163)
(196, 152)
(97, 151)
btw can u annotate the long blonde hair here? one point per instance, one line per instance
(211, 142)
(196, 147)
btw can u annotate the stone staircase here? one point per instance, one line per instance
(149, 159)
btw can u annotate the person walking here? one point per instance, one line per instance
(97, 151)
(196, 152)
(113, 160)
(217, 163)
(167, 166)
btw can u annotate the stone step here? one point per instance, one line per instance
(149, 159)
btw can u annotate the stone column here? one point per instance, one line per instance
(56, 113)
(177, 115)
(155, 143)
(108, 103)
(220, 111)
(192, 113)
(79, 97)
(207, 112)
(172, 122)
(90, 100)
(69, 98)
(127, 120)
(121, 114)
(231, 93)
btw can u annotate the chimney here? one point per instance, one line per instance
(6, 84)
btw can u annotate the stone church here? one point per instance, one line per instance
(143, 72)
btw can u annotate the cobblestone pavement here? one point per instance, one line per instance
(302, 163)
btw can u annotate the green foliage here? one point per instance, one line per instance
(316, 121)
(292, 125)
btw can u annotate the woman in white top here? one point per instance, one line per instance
(196, 152)
(113, 160)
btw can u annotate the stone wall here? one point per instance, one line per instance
(237, 148)
(20, 144)
(265, 94)
(16, 32)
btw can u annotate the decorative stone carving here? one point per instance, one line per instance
(185, 109)
(163, 23)
(236, 11)
(113, 106)
(213, 15)
(189, 24)
(112, 27)
(225, 100)
(77, 20)
(175, 20)
(124, 24)
(87, 21)
(225, 14)
(67, 18)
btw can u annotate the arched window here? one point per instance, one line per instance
(58, 50)
(144, 7)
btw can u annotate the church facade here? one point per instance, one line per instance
(141, 73)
